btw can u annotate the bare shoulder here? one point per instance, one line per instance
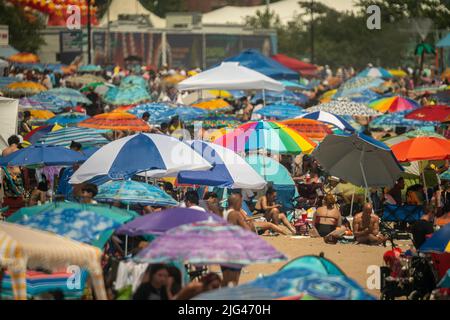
(374, 218)
(357, 216)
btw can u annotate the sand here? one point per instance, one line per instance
(353, 259)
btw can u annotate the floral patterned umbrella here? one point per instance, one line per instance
(68, 94)
(397, 119)
(130, 192)
(209, 242)
(343, 107)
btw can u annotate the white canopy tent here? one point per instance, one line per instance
(230, 76)
(8, 119)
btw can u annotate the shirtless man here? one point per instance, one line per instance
(366, 227)
(13, 146)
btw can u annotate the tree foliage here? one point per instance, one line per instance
(162, 7)
(342, 38)
(24, 29)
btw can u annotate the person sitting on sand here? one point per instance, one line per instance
(208, 282)
(366, 227)
(271, 210)
(327, 221)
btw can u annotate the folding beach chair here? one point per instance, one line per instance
(395, 219)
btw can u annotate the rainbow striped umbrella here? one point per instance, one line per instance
(268, 135)
(394, 104)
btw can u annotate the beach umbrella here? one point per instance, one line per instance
(41, 115)
(228, 170)
(209, 121)
(422, 148)
(399, 73)
(28, 248)
(190, 113)
(134, 80)
(327, 96)
(317, 264)
(210, 242)
(42, 155)
(344, 106)
(281, 111)
(89, 68)
(293, 85)
(439, 241)
(328, 118)
(51, 102)
(160, 222)
(123, 158)
(358, 159)
(89, 151)
(84, 226)
(159, 112)
(67, 118)
(214, 105)
(412, 134)
(70, 214)
(115, 121)
(84, 80)
(295, 282)
(311, 129)
(394, 104)
(42, 282)
(7, 80)
(69, 94)
(99, 87)
(398, 119)
(356, 85)
(133, 192)
(126, 95)
(267, 135)
(442, 96)
(24, 57)
(173, 79)
(65, 136)
(27, 88)
(285, 96)
(437, 113)
(34, 135)
(445, 281)
(375, 73)
(365, 96)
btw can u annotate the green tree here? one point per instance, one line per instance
(24, 34)
(265, 19)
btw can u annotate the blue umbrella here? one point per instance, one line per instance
(439, 241)
(293, 85)
(295, 282)
(42, 155)
(69, 94)
(159, 112)
(254, 59)
(89, 68)
(89, 151)
(127, 94)
(187, 113)
(316, 264)
(375, 73)
(134, 80)
(284, 96)
(80, 225)
(445, 281)
(64, 137)
(51, 102)
(133, 192)
(357, 85)
(281, 111)
(67, 118)
(4, 81)
(326, 117)
(397, 119)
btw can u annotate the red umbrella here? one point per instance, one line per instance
(430, 113)
(306, 69)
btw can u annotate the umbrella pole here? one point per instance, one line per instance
(364, 175)
(422, 167)
(353, 200)
(264, 97)
(126, 245)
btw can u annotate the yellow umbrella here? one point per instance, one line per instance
(41, 114)
(220, 93)
(213, 105)
(212, 135)
(24, 88)
(174, 79)
(398, 73)
(327, 96)
(24, 57)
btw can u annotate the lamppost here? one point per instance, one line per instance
(89, 29)
(312, 31)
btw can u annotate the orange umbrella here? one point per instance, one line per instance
(115, 121)
(124, 108)
(24, 57)
(213, 105)
(312, 129)
(422, 148)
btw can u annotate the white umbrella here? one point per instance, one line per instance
(123, 158)
(345, 107)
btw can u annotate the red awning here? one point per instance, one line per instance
(304, 68)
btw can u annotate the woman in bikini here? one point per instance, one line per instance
(327, 221)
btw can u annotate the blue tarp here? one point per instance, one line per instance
(444, 42)
(255, 60)
(7, 51)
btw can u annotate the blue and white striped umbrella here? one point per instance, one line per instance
(156, 153)
(329, 118)
(133, 192)
(229, 169)
(48, 101)
(64, 137)
(281, 111)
